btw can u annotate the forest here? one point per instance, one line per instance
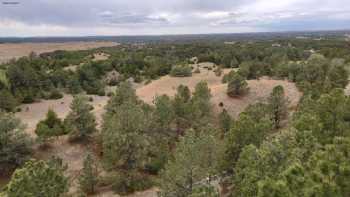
(179, 145)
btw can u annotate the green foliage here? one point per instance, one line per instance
(38, 178)
(164, 113)
(225, 121)
(278, 104)
(181, 106)
(205, 191)
(127, 182)
(201, 107)
(244, 131)
(124, 93)
(256, 167)
(7, 101)
(181, 71)
(123, 136)
(326, 117)
(14, 143)
(237, 86)
(4, 82)
(50, 127)
(80, 122)
(196, 158)
(325, 173)
(89, 175)
(229, 76)
(55, 94)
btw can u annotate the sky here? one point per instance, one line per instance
(23, 18)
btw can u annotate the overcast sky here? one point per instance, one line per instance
(140, 17)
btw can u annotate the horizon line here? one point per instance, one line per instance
(184, 34)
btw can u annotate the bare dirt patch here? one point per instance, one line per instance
(167, 84)
(9, 51)
(73, 154)
(100, 57)
(31, 114)
(259, 90)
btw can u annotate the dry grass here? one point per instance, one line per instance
(31, 114)
(9, 51)
(167, 84)
(73, 154)
(100, 57)
(259, 90)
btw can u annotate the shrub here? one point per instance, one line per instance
(55, 94)
(38, 178)
(7, 101)
(50, 127)
(228, 77)
(80, 121)
(14, 143)
(129, 182)
(197, 70)
(88, 178)
(237, 86)
(181, 71)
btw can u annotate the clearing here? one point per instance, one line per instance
(259, 90)
(73, 154)
(9, 51)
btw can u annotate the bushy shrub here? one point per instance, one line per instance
(237, 86)
(50, 127)
(7, 101)
(55, 94)
(129, 182)
(181, 71)
(228, 77)
(197, 70)
(14, 143)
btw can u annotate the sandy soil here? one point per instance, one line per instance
(31, 114)
(259, 90)
(167, 84)
(16, 50)
(100, 57)
(73, 154)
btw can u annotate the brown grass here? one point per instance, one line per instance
(73, 154)
(259, 90)
(9, 51)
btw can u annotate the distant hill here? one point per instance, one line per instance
(184, 38)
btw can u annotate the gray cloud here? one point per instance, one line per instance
(168, 16)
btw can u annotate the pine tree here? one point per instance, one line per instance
(237, 86)
(15, 144)
(195, 159)
(225, 121)
(50, 127)
(89, 175)
(80, 121)
(38, 178)
(278, 105)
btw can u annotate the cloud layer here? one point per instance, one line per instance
(136, 17)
